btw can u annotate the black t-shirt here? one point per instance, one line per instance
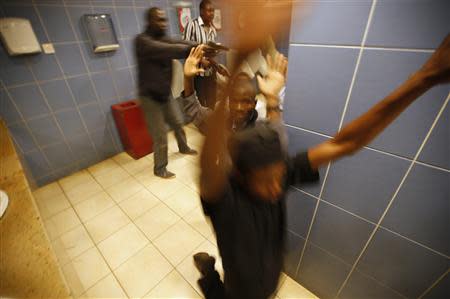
(250, 233)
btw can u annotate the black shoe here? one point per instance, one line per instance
(204, 262)
(165, 174)
(189, 151)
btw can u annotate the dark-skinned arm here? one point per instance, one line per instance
(365, 128)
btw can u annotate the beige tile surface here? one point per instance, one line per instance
(178, 242)
(183, 201)
(79, 178)
(49, 190)
(84, 271)
(83, 191)
(50, 205)
(94, 205)
(163, 188)
(157, 220)
(106, 223)
(61, 223)
(139, 203)
(147, 178)
(143, 271)
(122, 158)
(291, 289)
(173, 286)
(108, 287)
(196, 218)
(136, 166)
(121, 245)
(103, 167)
(71, 244)
(112, 177)
(125, 189)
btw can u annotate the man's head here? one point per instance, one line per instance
(259, 161)
(242, 101)
(157, 21)
(207, 12)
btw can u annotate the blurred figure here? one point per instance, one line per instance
(201, 30)
(242, 99)
(245, 199)
(154, 52)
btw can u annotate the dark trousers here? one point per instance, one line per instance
(206, 88)
(212, 287)
(158, 116)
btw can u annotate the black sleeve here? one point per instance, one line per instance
(212, 207)
(149, 47)
(300, 171)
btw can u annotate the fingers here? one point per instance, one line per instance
(191, 54)
(200, 71)
(198, 52)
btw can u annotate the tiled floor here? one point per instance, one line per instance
(118, 231)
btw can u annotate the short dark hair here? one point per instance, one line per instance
(151, 13)
(204, 3)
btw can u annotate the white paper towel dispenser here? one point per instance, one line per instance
(18, 36)
(101, 32)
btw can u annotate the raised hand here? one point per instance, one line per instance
(437, 68)
(191, 65)
(275, 79)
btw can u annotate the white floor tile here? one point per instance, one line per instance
(183, 201)
(71, 244)
(178, 242)
(93, 206)
(121, 245)
(163, 188)
(124, 190)
(52, 204)
(83, 191)
(108, 287)
(143, 271)
(49, 190)
(156, 221)
(103, 167)
(173, 286)
(196, 218)
(139, 203)
(61, 223)
(112, 177)
(84, 271)
(291, 289)
(106, 223)
(146, 177)
(79, 178)
(122, 158)
(136, 166)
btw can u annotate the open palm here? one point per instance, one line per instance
(274, 81)
(191, 65)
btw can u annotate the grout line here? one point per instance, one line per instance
(395, 194)
(358, 60)
(373, 149)
(434, 284)
(380, 48)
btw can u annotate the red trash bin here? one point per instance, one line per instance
(130, 122)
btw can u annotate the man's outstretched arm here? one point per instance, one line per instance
(365, 128)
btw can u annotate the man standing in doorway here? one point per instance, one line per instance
(154, 52)
(201, 30)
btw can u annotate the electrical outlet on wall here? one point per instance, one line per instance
(48, 48)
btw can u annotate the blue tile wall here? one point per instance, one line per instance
(408, 253)
(60, 101)
(387, 252)
(421, 209)
(379, 73)
(340, 22)
(415, 24)
(58, 154)
(316, 95)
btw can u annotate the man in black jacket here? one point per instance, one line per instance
(154, 52)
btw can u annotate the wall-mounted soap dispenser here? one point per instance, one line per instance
(18, 36)
(101, 32)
